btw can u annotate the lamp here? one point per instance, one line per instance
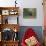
(15, 3)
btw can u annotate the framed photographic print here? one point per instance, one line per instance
(29, 13)
(5, 12)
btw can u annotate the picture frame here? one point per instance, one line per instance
(29, 13)
(5, 12)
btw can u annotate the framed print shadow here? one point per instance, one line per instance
(29, 13)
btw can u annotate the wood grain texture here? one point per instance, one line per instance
(10, 26)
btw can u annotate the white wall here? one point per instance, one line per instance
(33, 22)
(27, 4)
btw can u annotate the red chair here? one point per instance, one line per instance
(29, 33)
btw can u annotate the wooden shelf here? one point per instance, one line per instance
(9, 11)
(6, 12)
(9, 43)
(5, 8)
(10, 26)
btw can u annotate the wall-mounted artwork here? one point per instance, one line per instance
(29, 13)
